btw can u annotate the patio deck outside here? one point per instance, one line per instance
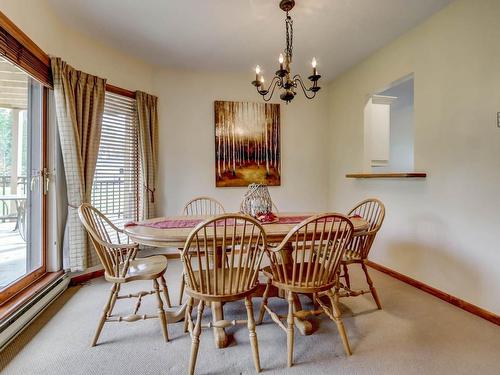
(12, 254)
(14, 97)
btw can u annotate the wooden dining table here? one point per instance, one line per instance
(163, 232)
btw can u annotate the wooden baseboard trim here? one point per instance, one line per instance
(83, 278)
(23, 297)
(464, 305)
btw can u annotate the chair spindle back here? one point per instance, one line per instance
(373, 211)
(222, 255)
(114, 252)
(310, 254)
(203, 206)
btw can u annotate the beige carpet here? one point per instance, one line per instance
(414, 334)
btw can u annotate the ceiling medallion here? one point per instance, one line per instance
(283, 78)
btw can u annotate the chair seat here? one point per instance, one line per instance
(224, 290)
(267, 271)
(149, 268)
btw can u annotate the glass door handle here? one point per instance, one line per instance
(40, 177)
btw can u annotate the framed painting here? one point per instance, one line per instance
(247, 144)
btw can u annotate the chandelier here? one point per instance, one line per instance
(283, 78)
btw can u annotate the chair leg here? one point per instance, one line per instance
(252, 334)
(181, 292)
(164, 288)
(189, 310)
(336, 292)
(265, 297)
(161, 311)
(290, 327)
(373, 291)
(346, 276)
(113, 299)
(104, 315)
(195, 337)
(340, 324)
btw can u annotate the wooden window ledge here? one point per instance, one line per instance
(388, 175)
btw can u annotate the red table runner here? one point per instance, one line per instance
(191, 223)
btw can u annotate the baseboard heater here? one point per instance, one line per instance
(22, 318)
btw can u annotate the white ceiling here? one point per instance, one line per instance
(236, 35)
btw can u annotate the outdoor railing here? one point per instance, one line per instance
(113, 197)
(6, 209)
(108, 195)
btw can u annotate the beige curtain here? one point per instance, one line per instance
(79, 101)
(147, 114)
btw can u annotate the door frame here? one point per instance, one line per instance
(29, 278)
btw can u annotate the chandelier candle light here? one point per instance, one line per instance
(283, 77)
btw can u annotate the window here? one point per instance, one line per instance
(115, 191)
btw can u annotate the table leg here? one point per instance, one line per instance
(303, 325)
(220, 336)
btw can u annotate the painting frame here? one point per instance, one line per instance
(247, 140)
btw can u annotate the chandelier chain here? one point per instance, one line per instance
(289, 36)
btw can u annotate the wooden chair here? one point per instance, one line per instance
(200, 206)
(306, 262)
(373, 211)
(203, 206)
(118, 258)
(210, 278)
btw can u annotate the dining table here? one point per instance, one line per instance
(172, 232)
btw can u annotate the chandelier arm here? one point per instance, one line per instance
(272, 86)
(298, 78)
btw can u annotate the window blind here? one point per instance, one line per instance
(19, 49)
(115, 191)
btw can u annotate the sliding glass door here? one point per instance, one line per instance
(22, 179)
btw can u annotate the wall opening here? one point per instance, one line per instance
(389, 128)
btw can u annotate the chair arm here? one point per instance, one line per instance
(117, 246)
(274, 249)
(365, 233)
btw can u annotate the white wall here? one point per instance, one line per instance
(401, 136)
(377, 128)
(187, 152)
(443, 230)
(401, 133)
(49, 32)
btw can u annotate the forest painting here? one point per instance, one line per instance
(247, 144)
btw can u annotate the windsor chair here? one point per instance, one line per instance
(306, 262)
(200, 206)
(203, 206)
(373, 211)
(221, 260)
(118, 258)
